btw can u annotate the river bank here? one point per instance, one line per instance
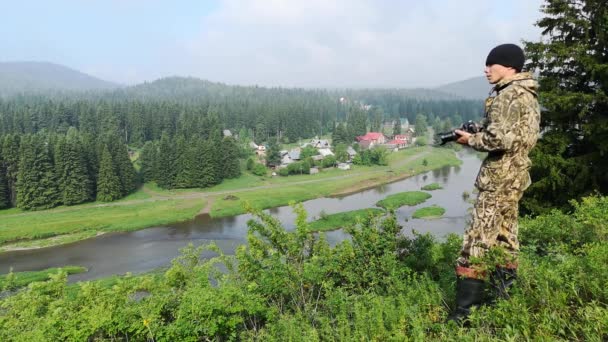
(151, 206)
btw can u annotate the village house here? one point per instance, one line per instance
(290, 157)
(371, 139)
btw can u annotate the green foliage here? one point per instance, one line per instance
(14, 280)
(259, 170)
(231, 165)
(422, 141)
(397, 127)
(569, 160)
(329, 161)
(292, 285)
(410, 198)
(374, 156)
(283, 172)
(250, 164)
(299, 168)
(428, 212)
(149, 159)
(308, 151)
(108, 185)
(343, 219)
(340, 153)
(431, 187)
(273, 154)
(37, 186)
(421, 125)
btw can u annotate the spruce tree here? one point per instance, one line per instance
(230, 158)
(37, 186)
(148, 157)
(569, 160)
(167, 169)
(187, 164)
(74, 181)
(205, 161)
(421, 125)
(397, 127)
(4, 200)
(108, 183)
(10, 153)
(273, 154)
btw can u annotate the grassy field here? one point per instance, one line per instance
(431, 187)
(20, 279)
(429, 212)
(151, 205)
(403, 198)
(343, 219)
(90, 220)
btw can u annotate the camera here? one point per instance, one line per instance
(469, 126)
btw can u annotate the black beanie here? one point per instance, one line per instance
(509, 55)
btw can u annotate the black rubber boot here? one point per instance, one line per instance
(469, 294)
(502, 279)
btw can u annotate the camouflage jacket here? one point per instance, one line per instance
(510, 130)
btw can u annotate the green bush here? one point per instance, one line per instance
(293, 285)
(283, 172)
(259, 170)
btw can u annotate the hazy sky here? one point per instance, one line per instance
(309, 43)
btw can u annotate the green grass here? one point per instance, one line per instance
(49, 223)
(431, 187)
(429, 212)
(21, 279)
(343, 219)
(403, 198)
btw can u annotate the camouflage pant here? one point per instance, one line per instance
(494, 224)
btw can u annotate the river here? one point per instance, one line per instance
(150, 248)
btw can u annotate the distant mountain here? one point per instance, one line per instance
(472, 88)
(19, 77)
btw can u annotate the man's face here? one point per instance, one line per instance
(496, 72)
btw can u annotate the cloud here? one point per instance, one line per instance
(349, 43)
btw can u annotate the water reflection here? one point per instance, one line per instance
(146, 249)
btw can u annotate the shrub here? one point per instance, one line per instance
(259, 170)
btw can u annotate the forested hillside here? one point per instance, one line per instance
(54, 144)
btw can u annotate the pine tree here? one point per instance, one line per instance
(108, 183)
(123, 166)
(397, 127)
(230, 158)
(10, 153)
(74, 181)
(167, 170)
(149, 154)
(187, 164)
(421, 125)
(4, 200)
(36, 181)
(205, 160)
(273, 154)
(569, 161)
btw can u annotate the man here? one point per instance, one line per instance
(510, 130)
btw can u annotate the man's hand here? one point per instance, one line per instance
(464, 137)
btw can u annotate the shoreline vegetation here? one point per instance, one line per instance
(431, 187)
(342, 219)
(151, 206)
(11, 281)
(401, 199)
(428, 212)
